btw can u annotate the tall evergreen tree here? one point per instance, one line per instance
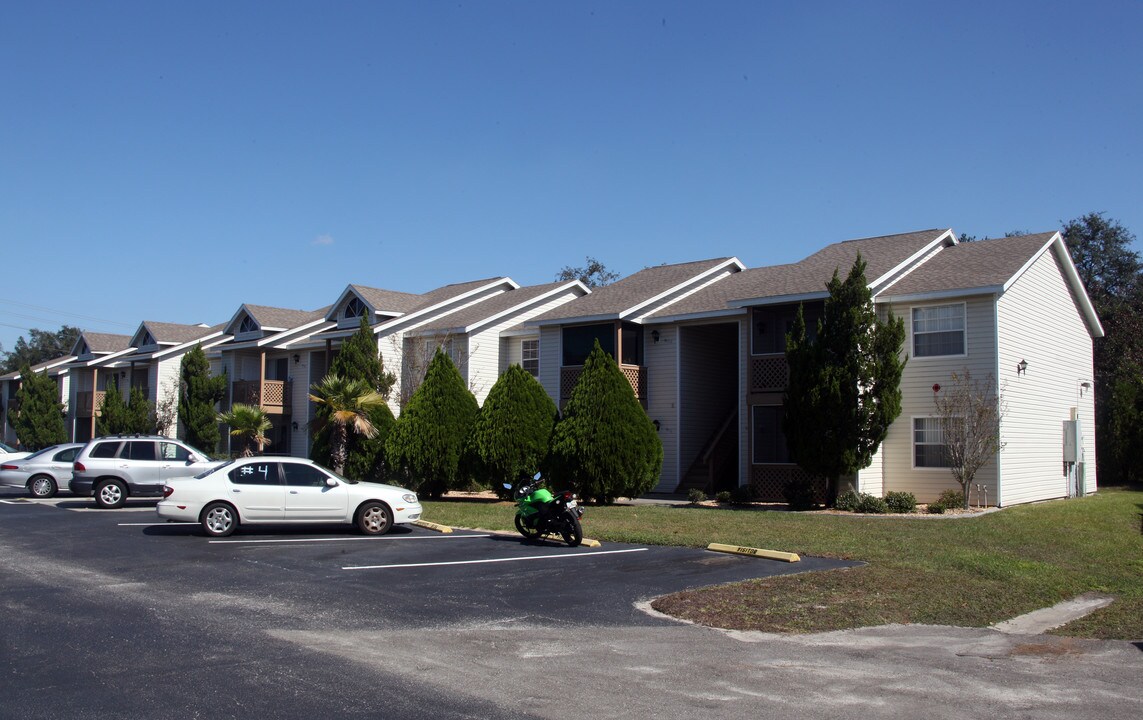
(426, 444)
(199, 393)
(513, 429)
(37, 416)
(844, 389)
(605, 446)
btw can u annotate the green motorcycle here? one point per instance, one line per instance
(540, 513)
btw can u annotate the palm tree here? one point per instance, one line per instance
(347, 402)
(249, 422)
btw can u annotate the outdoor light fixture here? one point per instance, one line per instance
(1022, 367)
(295, 424)
(655, 335)
(297, 358)
(656, 424)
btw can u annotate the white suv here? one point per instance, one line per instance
(115, 468)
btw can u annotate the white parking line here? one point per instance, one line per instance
(345, 539)
(493, 560)
(12, 502)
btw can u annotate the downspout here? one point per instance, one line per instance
(996, 375)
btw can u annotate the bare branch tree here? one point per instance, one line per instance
(970, 412)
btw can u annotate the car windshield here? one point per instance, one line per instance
(212, 468)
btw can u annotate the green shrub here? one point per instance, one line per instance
(696, 496)
(952, 499)
(800, 495)
(512, 431)
(605, 446)
(872, 505)
(424, 448)
(723, 496)
(847, 501)
(936, 508)
(901, 502)
(742, 495)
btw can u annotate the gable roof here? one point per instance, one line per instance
(172, 333)
(505, 304)
(990, 266)
(45, 366)
(101, 343)
(380, 301)
(641, 291)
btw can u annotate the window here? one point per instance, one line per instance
(255, 474)
(66, 455)
(298, 475)
(929, 449)
(139, 450)
(248, 325)
(631, 336)
(770, 325)
(530, 356)
(355, 308)
(938, 331)
(105, 450)
(172, 451)
(769, 440)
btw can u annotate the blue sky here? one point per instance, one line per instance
(171, 161)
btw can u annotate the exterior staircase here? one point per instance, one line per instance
(717, 459)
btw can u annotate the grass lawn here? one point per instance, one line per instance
(971, 571)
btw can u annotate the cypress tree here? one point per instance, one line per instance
(513, 430)
(38, 417)
(199, 393)
(112, 412)
(845, 386)
(424, 449)
(605, 446)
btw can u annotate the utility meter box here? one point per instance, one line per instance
(1071, 441)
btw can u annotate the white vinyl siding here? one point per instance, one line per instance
(897, 451)
(661, 360)
(1040, 323)
(550, 354)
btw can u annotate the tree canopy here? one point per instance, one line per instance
(42, 346)
(199, 392)
(346, 405)
(37, 413)
(844, 389)
(592, 273)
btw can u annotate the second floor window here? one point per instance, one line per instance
(248, 325)
(938, 330)
(354, 308)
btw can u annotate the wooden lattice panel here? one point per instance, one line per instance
(274, 393)
(769, 373)
(769, 482)
(636, 377)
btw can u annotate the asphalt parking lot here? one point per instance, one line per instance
(110, 614)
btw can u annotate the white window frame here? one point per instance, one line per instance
(913, 443)
(914, 333)
(535, 351)
(357, 304)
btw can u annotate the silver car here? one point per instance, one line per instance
(43, 472)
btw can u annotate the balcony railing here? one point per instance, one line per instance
(87, 402)
(769, 373)
(275, 395)
(636, 376)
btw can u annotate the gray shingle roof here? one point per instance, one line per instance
(177, 334)
(633, 290)
(493, 306)
(979, 264)
(99, 343)
(448, 292)
(388, 301)
(806, 277)
(272, 317)
(54, 363)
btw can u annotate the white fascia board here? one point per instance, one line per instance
(425, 314)
(299, 334)
(206, 341)
(520, 332)
(699, 281)
(515, 309)
(779, 299)
(709, 315)
(107, 359)
(940, 295)
(912, 259)
(582, 320)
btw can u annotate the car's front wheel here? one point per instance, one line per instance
(42, 486)
(110, 495)
(219, 520)
(374, 518)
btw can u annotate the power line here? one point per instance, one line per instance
(58, 312)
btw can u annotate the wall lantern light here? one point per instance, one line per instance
(1022, 367)
(655, 335)
(295, 424)
(297, 358)
(656, 424)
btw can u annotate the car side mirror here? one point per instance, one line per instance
(191, 459)
(330, 482)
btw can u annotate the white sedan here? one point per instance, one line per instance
(265, 490)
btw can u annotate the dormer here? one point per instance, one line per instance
(374, 304)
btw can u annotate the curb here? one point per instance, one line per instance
(755, 552)
(432, 526)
